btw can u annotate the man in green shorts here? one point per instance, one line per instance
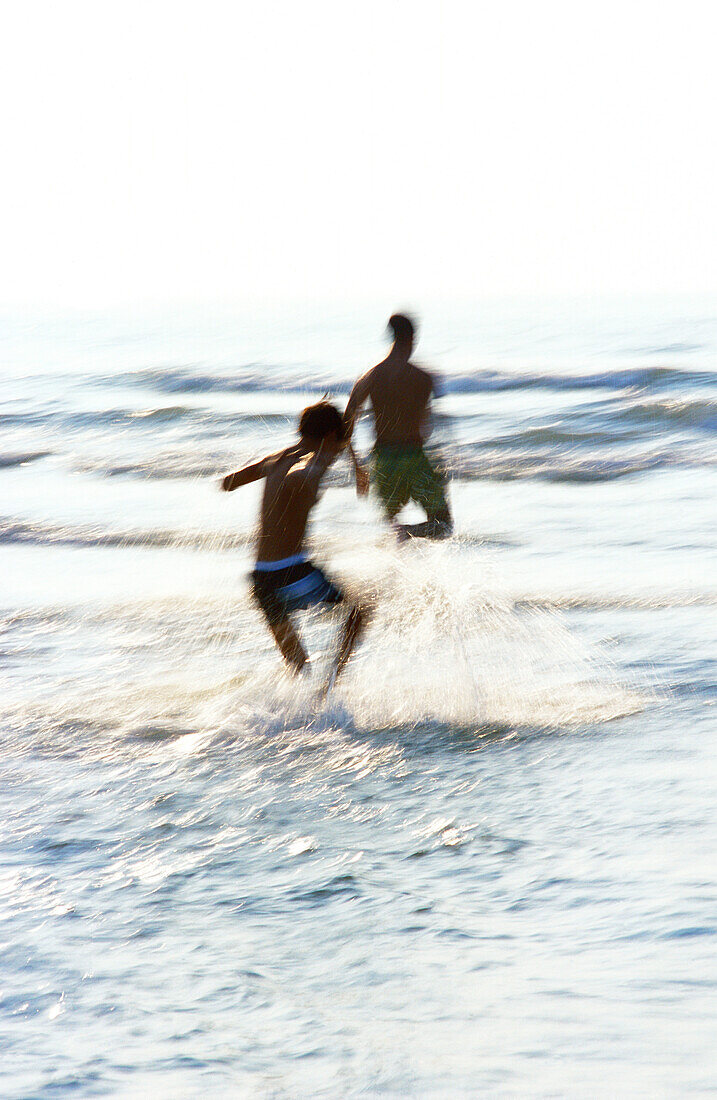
(400, 393)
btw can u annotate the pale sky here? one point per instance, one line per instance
(161, 150)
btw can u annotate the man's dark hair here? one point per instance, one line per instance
(318, 421)
(402, 327)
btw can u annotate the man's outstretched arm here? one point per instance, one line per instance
(360, 472)
(357, 399)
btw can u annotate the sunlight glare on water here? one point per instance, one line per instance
(481, 865)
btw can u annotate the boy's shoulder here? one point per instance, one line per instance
(300, 474)
(283, 461)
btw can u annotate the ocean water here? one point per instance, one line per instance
(486, 865)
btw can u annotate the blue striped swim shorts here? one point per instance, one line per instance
(293, 584)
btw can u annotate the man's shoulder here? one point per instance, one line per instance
(391, 372)
(368, 376)
(420, 376)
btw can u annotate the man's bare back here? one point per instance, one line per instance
(400, 393)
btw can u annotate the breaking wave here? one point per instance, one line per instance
(257, 378)
(54, 534)
(7, 461)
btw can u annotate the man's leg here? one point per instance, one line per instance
(429, 492)
(439, 526)
(289, 643)
(389, 484)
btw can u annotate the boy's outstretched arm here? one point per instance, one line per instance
(257, 470)
(244, 476)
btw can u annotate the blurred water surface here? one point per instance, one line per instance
(485, 866)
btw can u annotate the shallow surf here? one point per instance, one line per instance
(481, 865)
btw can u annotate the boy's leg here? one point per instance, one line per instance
(354, 625)
(264, 592)
(289, 643)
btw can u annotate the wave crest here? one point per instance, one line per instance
(253, 377)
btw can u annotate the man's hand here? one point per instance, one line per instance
(362, 481)
(360, 472)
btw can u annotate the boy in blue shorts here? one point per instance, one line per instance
(283, 579)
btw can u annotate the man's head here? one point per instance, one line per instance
(322, 426)
(403, 330)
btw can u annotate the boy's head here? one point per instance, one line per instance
(322, 423)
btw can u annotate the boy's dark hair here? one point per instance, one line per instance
(402, 327)
(318, 421)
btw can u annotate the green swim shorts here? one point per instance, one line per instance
(402, 473)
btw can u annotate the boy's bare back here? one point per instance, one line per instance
(290, 491)
(283, 579)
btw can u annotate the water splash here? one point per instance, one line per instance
(447, 649)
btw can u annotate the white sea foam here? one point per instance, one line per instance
(448, 645)
(446, 649)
